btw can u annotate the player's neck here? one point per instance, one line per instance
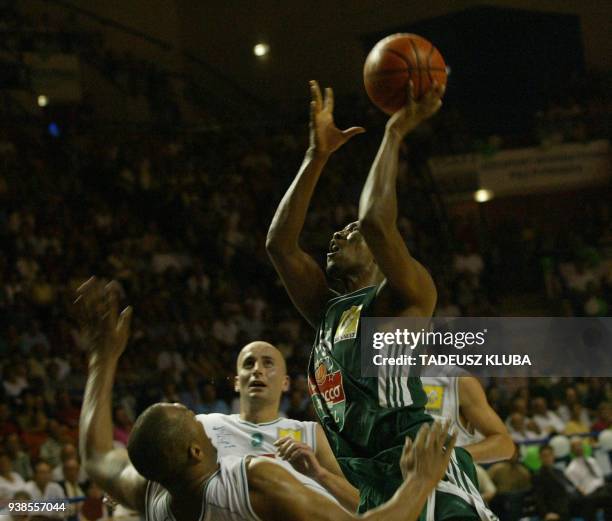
(187, 495)
(354, 281)
(258, 414)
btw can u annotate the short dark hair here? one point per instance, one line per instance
(159, 443)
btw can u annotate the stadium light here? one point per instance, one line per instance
(43, 101)
(261, 49)
(483, 195)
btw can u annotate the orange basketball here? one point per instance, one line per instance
(393, 62)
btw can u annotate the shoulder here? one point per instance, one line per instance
(262, 471)
(470, 390)
(214, 418)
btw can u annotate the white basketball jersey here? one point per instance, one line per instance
(232, 436)
(443, 403)
(225, 496)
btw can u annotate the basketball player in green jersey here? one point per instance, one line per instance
(366, 419)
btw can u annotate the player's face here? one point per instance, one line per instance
(261, 373)
(348, 252)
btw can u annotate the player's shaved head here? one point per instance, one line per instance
(261, 348)
(160, 440)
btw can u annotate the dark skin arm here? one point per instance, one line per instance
(301, 275)
(475, 408)
(408, 289)
(106, 333)
(277, 496)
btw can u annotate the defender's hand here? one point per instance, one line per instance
(300, 455)
(428, 457)
(415, 112)
(325, 137)
(104, 330)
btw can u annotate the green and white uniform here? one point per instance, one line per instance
(367, 419)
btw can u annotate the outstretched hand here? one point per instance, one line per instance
(428, 456)
(300, 455)
(415, 112)
(104, 330)
(325, 137)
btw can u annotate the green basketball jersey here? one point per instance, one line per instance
(362, 416)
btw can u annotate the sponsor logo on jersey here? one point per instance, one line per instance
(435, 397)
(256, 439)
(296, 434)
(330, 388)
(348, 324)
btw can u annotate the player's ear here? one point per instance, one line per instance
(236, 384)
(286, 384)
(196, 452)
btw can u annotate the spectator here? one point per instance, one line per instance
(191, 397)
(603, 420)
(93, 507)
(68, 452)
(15, 379)
(71, 484)
(547, 420)
(19, 459)
(576, 425)
(32, 418)
(555, 494)
(34, 336)
(51, 449)
(586, 475)
(122, 425)
(7, 425)
(65, 410)
(511, 475)
(210, 402)
(41, 488)
(297, 406)
(565, 409)
(518, 428)
(10, 481)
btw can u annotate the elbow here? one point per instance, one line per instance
(273, 244)
(508, 446)
(277, 246)
(91, 469)
(372, 223)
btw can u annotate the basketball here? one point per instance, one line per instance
(393, 62)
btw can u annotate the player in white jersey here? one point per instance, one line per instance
(170, 470)
(300, 446)
(462, 400)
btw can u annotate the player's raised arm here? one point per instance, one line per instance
(498, 444)
(106, 334)
(276, 495)
(303, 278)
(408, 285)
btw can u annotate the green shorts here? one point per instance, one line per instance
(378, 478)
